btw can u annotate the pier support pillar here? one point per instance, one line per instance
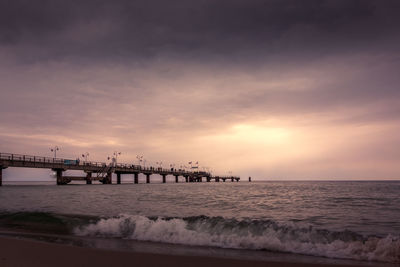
(200, 179)
(249, 178)
(232, 179)
(147, 178)
(208, 179)
(136, 179)
(186, 179)
(164, 178)
(89, 178)
(1, 175)
(118, 178)
(108, 178)
(176, 178)
(60, 180)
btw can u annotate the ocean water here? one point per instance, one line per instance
(340, 220)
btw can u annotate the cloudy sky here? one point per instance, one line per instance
(268, 89)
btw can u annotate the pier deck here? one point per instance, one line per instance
(101, 171)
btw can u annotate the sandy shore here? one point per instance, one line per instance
(17, 252)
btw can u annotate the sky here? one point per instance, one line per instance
(268, 89)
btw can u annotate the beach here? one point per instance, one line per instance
(21, 252)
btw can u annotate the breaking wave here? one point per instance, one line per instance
(247, 234)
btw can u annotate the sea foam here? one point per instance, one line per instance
(247, 234)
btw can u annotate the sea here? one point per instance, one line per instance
(352, 222)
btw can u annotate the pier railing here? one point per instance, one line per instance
(103, 170)
(69, 163)
(39, 159)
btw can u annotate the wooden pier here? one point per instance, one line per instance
(100, 171)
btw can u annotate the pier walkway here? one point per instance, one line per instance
(100, 171)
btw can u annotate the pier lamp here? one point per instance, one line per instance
(140, 159)
(55, 149)
(195, 163)
(114, 158)
(85, 156)
(116, 154)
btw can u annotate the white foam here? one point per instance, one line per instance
(228, 234)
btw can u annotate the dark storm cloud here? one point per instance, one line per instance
(190, 77)
(235, 30)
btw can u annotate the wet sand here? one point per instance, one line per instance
(21, 252)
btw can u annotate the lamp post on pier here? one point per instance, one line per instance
(159, 163)
(114, 159)
(172, 166)
(140, 159)
(55, 149)
(194, 167)
(116, 155)
(85, 156)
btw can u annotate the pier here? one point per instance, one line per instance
(102, 172)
